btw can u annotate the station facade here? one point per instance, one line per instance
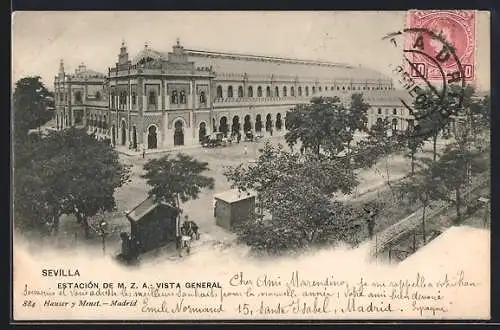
(161, 100)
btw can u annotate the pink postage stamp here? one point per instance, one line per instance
(457, 27)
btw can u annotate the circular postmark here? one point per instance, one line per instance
(430, 102)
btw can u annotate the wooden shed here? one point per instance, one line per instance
(153, 225)
(232, 207)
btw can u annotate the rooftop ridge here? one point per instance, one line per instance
(268, 58)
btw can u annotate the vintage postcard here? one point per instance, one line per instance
(251, 166)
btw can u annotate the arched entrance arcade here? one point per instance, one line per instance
(123, 133)
(247, 124)
(223, 127)
(202, 131)
(152, 137)
(178, 133)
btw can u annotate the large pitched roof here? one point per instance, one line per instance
(232, 63)
(265, 65)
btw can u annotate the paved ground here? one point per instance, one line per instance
(201, 209)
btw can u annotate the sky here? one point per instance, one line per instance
(41, 39)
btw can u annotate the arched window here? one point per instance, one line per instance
(394, 111)
(240, 91)
(307, 90)
(203, 100)
(250, 91)
(173, 97)
(113, 100)
(343, 88)
(319, 89)
(331, 88)
(314, 90)
(379, 111)
(98, 95)
(134, 99)
(276, 91)
(230, 91)
(182, 97)
(268, 91)
(300, 91)
(219, 92)
(292, 91)
(259, 91)
(284, 91)
(338, 88)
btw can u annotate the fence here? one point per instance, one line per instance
(402, 229)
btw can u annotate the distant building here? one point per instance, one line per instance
(81, 99)
(160, 100)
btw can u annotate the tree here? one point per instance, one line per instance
(30, 208)
(176, 179)
(454, 171)
(274, 163)
(72, 173)
(297, 191)
(422, 188)
(381, 143)
(414, 143)
(326, 124)
(31, 99)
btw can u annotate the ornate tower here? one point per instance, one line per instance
(61, 68)
(123, 56)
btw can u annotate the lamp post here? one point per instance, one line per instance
(102, 226)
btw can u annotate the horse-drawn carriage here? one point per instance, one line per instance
(249, 137)
(213, 140)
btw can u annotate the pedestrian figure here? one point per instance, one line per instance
(186, 236)
(130, 249)
(190, 228)
(371, 213)
(143, 153)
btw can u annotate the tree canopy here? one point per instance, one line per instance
(176, 179)
(298, 193)
(30, 102)
(326, 123)
(66, 172)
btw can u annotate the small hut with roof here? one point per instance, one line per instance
(153, 224)
(233, 207)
